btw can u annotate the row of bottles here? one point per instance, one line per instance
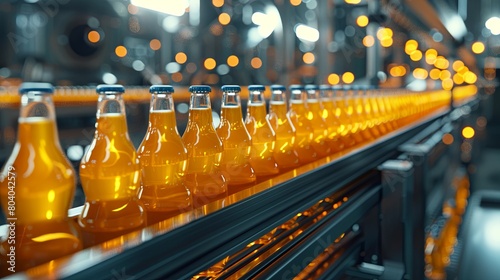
(168, 173)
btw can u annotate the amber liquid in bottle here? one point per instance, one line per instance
(321, 142)
(327, 113)
(361, 115)
(352, 115)
(284, 151)
(304, 130)
(204, 177)
(110, 173)
(37, 185)
(236, 140)
(263, 136)
(345, 123)
(163, 159)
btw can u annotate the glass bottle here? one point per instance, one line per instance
(263, 136)
(321, 142)
(352, 115)
(327, 113)
(204, 177)
(37, 185)
(163, 157)
(235, 138)
(110, 170)
(359, 113)
(298, 112)
(341, 114)
(284, 152)
(369, 112)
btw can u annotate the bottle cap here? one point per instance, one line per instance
(161, 89)
(256, 88)
(296, 87)
(109, 89)
(41, 88)
(278, 87)
(325, 87)
(200, 89)
(311, 87)
(231, 88)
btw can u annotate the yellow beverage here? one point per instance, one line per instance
(109, 173)
(163, 158)
(37, 185)
(304, 136)
(44, 182)
(321, 142)
(362, 113)
(352, 114)
(284, 152)
(345, 122)
(375, 112)
(237, 144)
(327, 113)
(263, 136)
(110, 170)
(204, 177)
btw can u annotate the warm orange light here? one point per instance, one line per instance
(386, 42)
(353, 2)
(416, 55)
(478, 47)
(224, 18)
(397, 71)
(420, 73)
(448, 139)
(368, 41)
(458, 79)
(362, 21)
(384, 33)
(94, 36)
(333, 79)
(308, 58)
(180, 58)
(457, 65)
(348, 77)
(468, 132)
(295, 2)
(441, 62)
(155, 44)
(218, 3)
(447, 84)
(445, 74)
(256, 62)
(410, 46)
(121, 51)
(233, 61)
(470, 77)
(430, 56)
(434, 73)
(210, 63)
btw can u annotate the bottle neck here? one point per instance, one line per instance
(256, 105)
(200, 111)
(37, 119)
(162, 112)
(37, 106)
(111, 114)
(231, 108)
(278, 104)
